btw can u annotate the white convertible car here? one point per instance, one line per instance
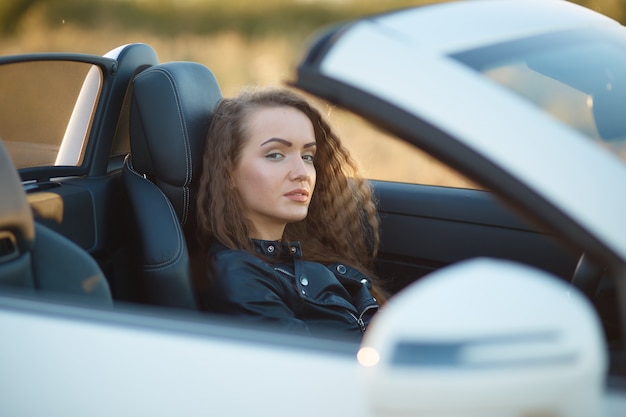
(509, 300)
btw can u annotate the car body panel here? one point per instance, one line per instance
(68, 360)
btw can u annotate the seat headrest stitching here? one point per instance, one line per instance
(188, 160)
(185, 131)
(186, 205)
(185, 134)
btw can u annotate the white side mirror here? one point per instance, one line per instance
(485, 338)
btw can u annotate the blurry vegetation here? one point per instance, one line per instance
(246, 17)
(174, 17)
(612, 8)
(250, 19)
(11, 12)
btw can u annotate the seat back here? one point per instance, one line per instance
(171, 108)
(37, 258)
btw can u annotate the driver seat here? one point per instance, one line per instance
(38, 260)
(170, 112)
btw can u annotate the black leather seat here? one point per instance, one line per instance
(38, 259)
(171, 108)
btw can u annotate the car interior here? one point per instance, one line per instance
(127, 209)
(37, 259)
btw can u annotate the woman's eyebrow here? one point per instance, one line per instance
(279, 140)
(287, 143)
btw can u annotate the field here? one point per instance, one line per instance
(243, 42)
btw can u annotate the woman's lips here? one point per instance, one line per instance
(299, 195)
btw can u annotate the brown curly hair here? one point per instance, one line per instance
(342, 221)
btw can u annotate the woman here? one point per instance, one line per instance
(290, 229)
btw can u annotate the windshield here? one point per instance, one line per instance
(577, 77)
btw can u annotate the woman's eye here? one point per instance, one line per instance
(309, 158)
(274, 156)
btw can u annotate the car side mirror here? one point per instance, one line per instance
(485, 337)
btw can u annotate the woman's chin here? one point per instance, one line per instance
(297, 217)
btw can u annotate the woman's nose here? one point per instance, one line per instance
(300, 170)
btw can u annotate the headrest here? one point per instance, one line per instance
(171, 109)
(17, 227)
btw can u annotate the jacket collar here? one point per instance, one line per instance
(277, 249)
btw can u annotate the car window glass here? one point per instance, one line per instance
(46, 109)
(573, 78)
(382, 156)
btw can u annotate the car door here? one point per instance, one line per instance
(63, 120)
(426, 227)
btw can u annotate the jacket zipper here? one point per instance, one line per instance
(285, 272)
(359, 320)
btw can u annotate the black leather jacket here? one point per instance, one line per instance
(282, 288)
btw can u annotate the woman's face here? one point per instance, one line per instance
(275, 176)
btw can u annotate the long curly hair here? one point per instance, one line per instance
(342, 223)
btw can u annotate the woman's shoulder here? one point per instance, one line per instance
(234, 269)
(221, 254)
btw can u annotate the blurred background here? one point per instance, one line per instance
(244, 42)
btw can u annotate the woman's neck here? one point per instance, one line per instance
(268, 233)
